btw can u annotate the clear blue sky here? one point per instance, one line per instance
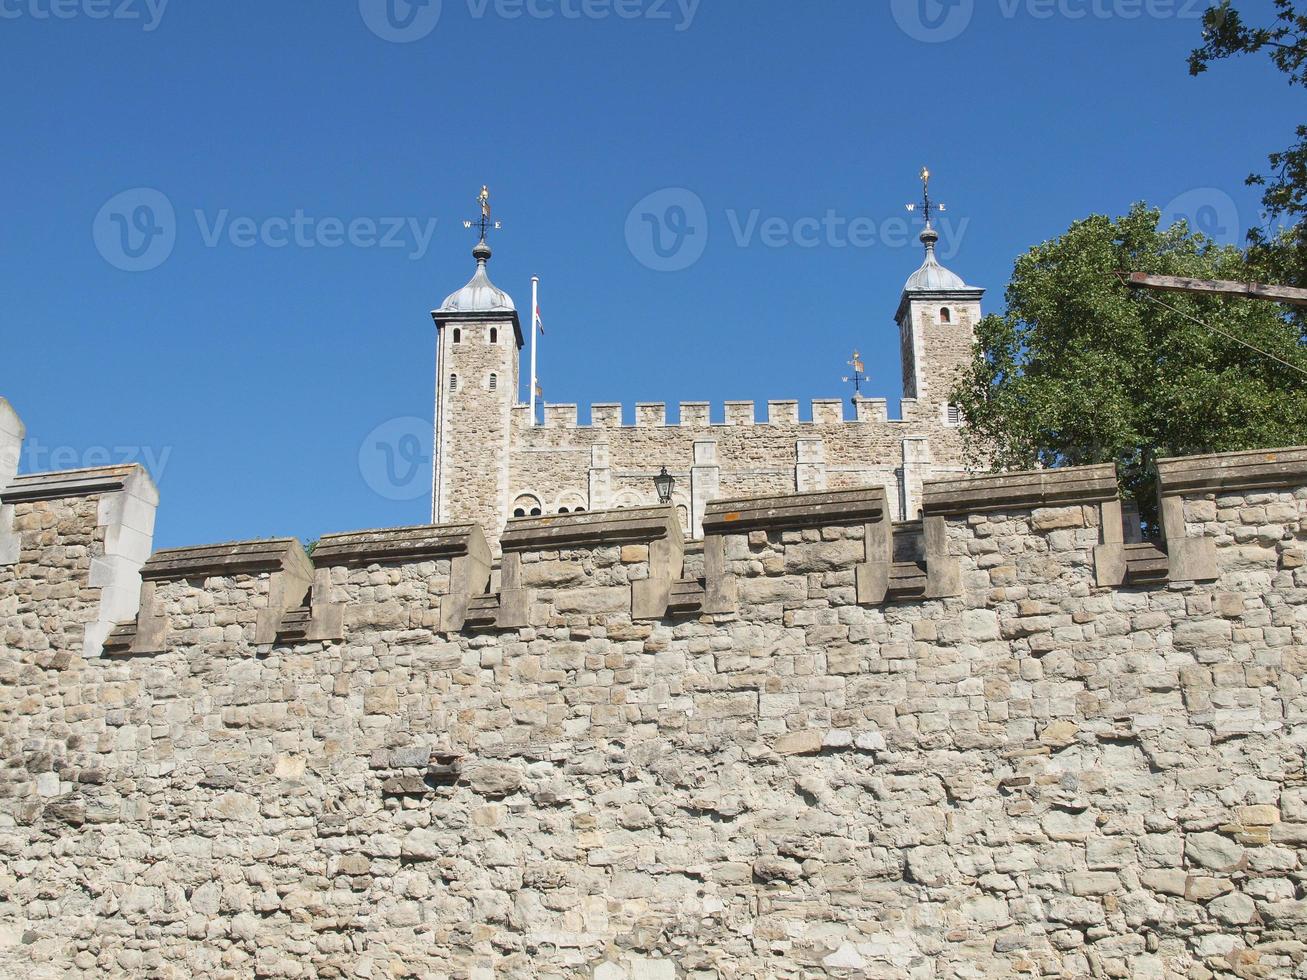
(255, 374)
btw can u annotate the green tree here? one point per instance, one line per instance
(1083, 369)
(1275, 256)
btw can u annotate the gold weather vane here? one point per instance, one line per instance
(484, 222)
(926, 206)
(859, 376)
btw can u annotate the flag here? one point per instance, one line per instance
(539, 322)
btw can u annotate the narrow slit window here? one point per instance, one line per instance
(458, 336)
(453, 382)
(954, 415)
(494, 382)
(494, 335)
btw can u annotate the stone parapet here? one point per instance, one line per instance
(269, 579)
(829, 532)
(1261, 469)
(638, 555)
(1020, 491)
(459, 552)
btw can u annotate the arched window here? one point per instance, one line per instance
(527, 505)
(945, 315)
(494, 335)
(458, 335)
(570, 502)
(494, 382)
(453, 382)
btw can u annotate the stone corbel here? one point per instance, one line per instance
(650, 597)
(1109, 557)
(943, 573)
(873, 575)
(515, 600)
(1189, 559)
(720, 596)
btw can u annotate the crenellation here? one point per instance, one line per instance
(739, 413)
(560, 416)
(606, 416)
(828, 411)
(872, 410)
(695, 415)
(783, 412)
(651, 414)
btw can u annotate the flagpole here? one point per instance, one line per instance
(535, 320)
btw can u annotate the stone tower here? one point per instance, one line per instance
(478, 337)
(937, 318)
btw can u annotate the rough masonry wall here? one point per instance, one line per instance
(1038, 777)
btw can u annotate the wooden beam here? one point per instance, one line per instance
(1218, 287)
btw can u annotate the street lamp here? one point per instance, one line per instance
(664, 482)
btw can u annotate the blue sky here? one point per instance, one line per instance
(251, 364)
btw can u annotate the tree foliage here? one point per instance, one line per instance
(1083, 369)
(1280, 256)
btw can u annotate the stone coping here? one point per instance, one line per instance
(592, 528)
(70, 483)
(423, 542)
(1020, 491)
(240, 557)
(1251, 470)
(800, 510)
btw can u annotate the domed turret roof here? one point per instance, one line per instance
(932, 277)
(480, 295)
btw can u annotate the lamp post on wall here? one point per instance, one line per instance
(664, 483)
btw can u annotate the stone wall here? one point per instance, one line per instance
(848, 748)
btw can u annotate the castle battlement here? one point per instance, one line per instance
(1006, 738)
(699, 415)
